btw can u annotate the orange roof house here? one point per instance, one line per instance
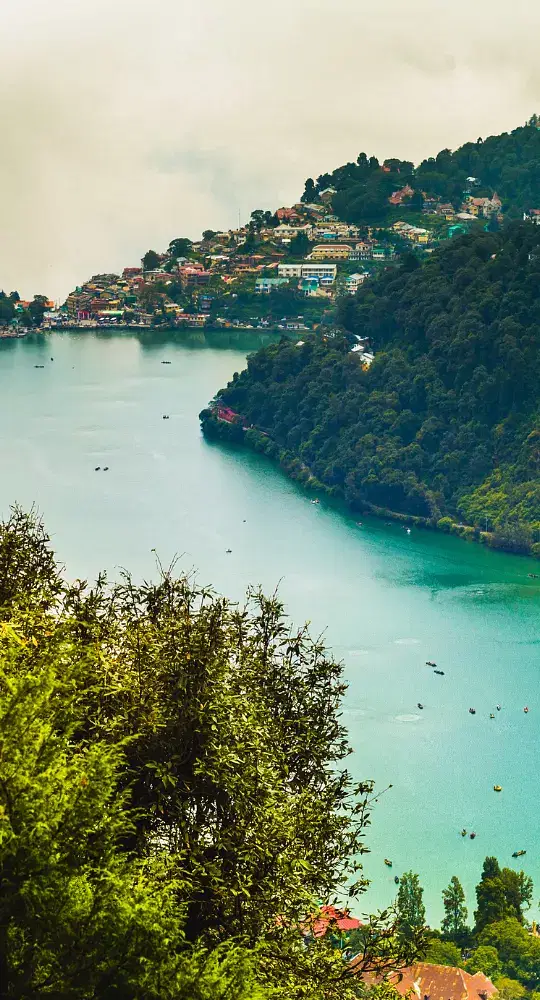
(435, 982)
(399, 196)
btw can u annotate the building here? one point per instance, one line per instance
(289, 232)
(326, 273)
(435, 982)
(532, 215)
(335, 251)
(331, 919)
(266, 285)
(290, 270)
(398, 197)
(353, 282)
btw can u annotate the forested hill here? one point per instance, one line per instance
(508, 164)
(445, 423)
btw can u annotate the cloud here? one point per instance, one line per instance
(126, 124)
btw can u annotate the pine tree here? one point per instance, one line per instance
(411, 912)
(455, 911)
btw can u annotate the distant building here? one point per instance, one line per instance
(326, 273)
(353, 282)
(266, 285)
(290, 270)
(532, 215)
(336, 251)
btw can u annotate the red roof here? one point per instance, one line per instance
(435, 982)
(331, 918)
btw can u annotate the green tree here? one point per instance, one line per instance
(411, 912)
(443, 952)
(510, 989)
(151, 260)
(492, 905)
(179, 247)
(172, 795)
(485, 959)
(454, 924)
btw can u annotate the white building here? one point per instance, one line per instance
(326, 273)
(353, 282)
(290, 270)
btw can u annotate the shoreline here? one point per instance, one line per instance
(260, 442)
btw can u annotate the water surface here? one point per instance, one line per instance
(387, 601)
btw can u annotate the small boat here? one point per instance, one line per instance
(430, 663)
(165, 362)
(39, 366)
(463, 833)
(532, 576)
(472, 836)
(396, 879)
(472, 711)
(316, 500)
(97, 468)
(165, 416)
(228, 551)
(440, 672)
(408, 530)
(388, 863)
(105, 468)
(420, 704)
(518, 854)
(359, 524)
(526, 709)
(491, 715)
(499, 707)
(497, 788)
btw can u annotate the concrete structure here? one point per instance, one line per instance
(335, 251)
(326, 273)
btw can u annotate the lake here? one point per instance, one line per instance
(386, 601)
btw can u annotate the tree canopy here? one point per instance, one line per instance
(506, 163)
(174, 802)
(445, 422)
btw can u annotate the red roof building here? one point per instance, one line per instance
(435, 982)
(332, 919)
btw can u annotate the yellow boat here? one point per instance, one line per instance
(497, 788)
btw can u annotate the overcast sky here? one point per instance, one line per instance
(125, 123)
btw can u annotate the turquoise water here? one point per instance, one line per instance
(387, 601)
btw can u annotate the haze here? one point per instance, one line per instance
(125, 124)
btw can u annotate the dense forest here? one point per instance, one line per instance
(174, 798)
(445, 424)
(506, 164)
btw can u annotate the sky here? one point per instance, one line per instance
(126, 124)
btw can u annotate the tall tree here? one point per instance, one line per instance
(455, 910)
(490, 896)
(411, 912)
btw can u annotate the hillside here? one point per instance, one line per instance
(445, 424)
(506, 164)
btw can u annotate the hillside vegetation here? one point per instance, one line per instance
(507, 164)
(445, 424)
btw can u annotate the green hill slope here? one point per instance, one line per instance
(445, 424)
(508, 164)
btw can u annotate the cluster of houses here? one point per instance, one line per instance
(304, 247)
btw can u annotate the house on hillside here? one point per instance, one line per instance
(532, 215)
(398, 197)
(434, 982)
(336, 251)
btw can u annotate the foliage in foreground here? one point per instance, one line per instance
(173, 798)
